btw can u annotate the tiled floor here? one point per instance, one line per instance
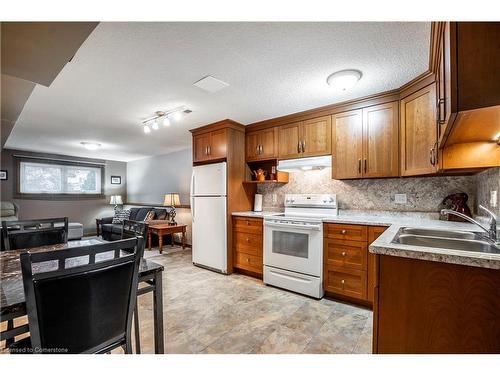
(205, 312)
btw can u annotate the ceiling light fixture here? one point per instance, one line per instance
(164, 117)
(344, 79)
(90, 145)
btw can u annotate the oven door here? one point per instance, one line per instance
(294, 247)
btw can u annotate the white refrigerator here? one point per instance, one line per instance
(209, 212)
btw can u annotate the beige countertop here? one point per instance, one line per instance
(396, 220)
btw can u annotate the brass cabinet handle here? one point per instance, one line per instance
(248, 260)
(248, 239)
(366, 165)
(343, 231)
(303, 146)
(431, 156)
(344, 253)
(343, 283)
(298, 147)
(209, 149)
(248, 223)
(261, 149)
(257, 149)
(359, 165)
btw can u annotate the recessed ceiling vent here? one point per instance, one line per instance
(211, 84)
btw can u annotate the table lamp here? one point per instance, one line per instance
(172, 199)
(116, 200)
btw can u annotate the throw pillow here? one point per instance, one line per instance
(150, 216)
(120, 215)
(162, 215)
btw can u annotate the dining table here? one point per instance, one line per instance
(13, 302)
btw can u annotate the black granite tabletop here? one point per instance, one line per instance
(11, 280)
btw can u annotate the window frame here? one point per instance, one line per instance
(56, 196)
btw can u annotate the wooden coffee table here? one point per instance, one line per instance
(161, 229)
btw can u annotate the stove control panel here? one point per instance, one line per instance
(311, 200)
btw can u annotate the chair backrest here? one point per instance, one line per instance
(22, 234)
(81, 300)
(132, 228)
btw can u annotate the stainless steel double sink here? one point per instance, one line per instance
(454, 240)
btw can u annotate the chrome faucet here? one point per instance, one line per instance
(492, 230)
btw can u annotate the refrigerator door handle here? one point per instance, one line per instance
(192, 209)
(192, 183)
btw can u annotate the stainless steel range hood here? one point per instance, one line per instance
(305, 164)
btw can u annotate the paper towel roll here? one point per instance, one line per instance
(257, 206)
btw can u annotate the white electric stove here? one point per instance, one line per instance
(293, 243)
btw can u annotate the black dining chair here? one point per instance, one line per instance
(80, 299)
(23, 234)
(132, 228)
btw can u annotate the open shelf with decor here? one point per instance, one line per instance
(265, 172)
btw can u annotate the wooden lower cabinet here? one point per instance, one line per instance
(349, 268)
(433, 307)
(248, 245)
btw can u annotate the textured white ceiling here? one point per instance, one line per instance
(124, 72)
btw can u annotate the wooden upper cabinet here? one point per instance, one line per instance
(200, 147)
(252, 146)
(289, 137)
(218, 144)
(305, 138)
(269, 143)
(467, 77)
(316, 137)
(347, 150)
(380, 141)
(262, 144)
(418, 133)
(210, 146)
(365, 142)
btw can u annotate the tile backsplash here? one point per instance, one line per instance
(424, 194)
(486, 182)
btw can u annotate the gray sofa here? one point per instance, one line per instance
(113, 232)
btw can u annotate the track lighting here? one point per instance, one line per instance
(165, 117)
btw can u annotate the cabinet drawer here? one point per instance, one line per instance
(347, 282)
(346, 232)
(248, 262)
(349, 254)
(247, 225)
(248, 243)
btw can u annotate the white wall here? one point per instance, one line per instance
(149, 179)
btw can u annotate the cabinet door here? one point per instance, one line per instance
(218, 144)
(418, 134)
(252, 145)
(316, 136)
(268, 143)
(200, 147)
(347, 142)
(380, 141)
(289, 141)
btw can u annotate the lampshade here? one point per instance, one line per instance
(116, 199)
(172, 199)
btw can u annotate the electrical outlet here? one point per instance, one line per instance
(275, 198)
(493, 198)
(400, 198)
